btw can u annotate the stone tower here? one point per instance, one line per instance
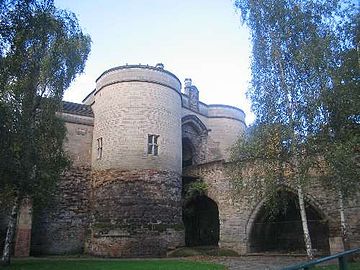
(131, 142)
(136, 162)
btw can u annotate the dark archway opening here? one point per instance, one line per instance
(201, 221)
(187, 152)
(282, 231)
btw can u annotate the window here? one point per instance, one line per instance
(99, 147)
(153, 145)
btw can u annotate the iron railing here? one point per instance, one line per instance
(340, 256)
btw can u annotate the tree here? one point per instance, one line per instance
(42, 50)
(339, 139)
(294, 55)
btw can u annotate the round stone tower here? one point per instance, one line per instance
(136, 162)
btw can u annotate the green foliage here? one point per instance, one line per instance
(42, 49)
(195, 189)
(304, 87)
(263, 163)
(71, 264)
(340, 165)
(351, 266)
(339, 139)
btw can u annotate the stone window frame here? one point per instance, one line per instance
(153, 145)
(99, 147)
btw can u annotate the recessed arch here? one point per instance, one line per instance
(194, 137)
(195, 122)
(201, 221)
(282, 232)
(312, 201)
(188, 152)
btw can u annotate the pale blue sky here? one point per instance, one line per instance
(198, 39)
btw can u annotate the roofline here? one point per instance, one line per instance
(139, 66)
(92, 92)
(226, 106)
(218, 105)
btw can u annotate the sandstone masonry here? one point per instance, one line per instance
(134, 143)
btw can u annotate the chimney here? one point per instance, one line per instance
(159, 65)
(193, 93)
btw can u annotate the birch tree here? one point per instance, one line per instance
(339, 139)
(293, 48)
(42, 50)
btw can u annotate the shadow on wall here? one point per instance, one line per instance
(282, 232)
(201, 221)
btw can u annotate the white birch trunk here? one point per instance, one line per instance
(5, 260)
(305, 227)
(344, 234)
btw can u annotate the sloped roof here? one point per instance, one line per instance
(76, 108)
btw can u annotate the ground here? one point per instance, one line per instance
(187, 258)
(110, 264)
(190, 263)
(257, 262)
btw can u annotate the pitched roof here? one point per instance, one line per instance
(76, 108)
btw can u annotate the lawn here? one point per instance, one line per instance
(45, 264)
(352, 266)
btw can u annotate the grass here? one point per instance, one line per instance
(61, 264)
(352, 266)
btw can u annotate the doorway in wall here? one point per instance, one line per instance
(281, 232)
(201, 221)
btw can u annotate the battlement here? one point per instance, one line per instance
(215, 110)
(135, 73)
(135, 144)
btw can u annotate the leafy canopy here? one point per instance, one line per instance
(299, 60)
(42, 49)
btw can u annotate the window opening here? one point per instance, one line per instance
(153, 147)
(99, 147)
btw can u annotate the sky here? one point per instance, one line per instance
(198, 39)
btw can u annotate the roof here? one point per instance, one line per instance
(140, 66)
(76, 108)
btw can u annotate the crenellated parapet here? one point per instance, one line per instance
(135, 143)
(225, 124)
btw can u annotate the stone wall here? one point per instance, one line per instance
(237, 210)
(130, 104)
(62, 227)
(225, 131)
(79, 141)
(136, 213)
(224, 123)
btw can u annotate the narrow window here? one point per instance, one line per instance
(153, 145)
(99, 147)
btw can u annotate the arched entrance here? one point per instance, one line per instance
(281, 231)
(188, 150)
(201, 221)
(194, 134)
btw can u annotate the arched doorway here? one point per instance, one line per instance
(187, 152)
(201, 221)
(194, 134)
(281, 231)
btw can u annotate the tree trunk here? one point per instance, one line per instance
(344, 233)
(307, 238)
(5, 260)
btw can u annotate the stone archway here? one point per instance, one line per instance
(201, 221)
(188, 152)
(281, 231)
(194, 136)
